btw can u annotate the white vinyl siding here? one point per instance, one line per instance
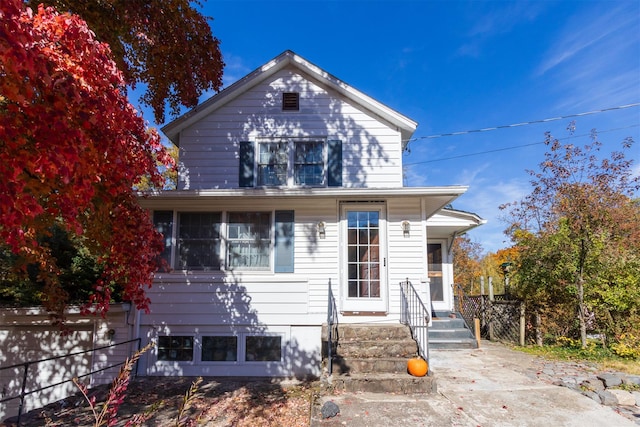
(209, 149)
(303, 293)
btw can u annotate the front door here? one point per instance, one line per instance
(440, 294)
(364, 259)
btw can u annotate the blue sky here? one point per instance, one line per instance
(456, 66)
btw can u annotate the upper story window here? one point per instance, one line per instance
(291, 162)
(308, 163)
(273, 162)
(300, 162)
(290, 101)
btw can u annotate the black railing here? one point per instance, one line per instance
(25, 365)
(332, 327)
(415, 314)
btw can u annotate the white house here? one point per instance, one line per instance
(290, 181)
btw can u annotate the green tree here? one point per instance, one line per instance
(579, 216)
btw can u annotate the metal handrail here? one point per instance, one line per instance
(25, 365)
(416, 315)
(332, 323)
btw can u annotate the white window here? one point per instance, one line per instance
(249, 240)
(221, 348)
(308, 163)
(261, 348)
(175, 348)
(199, 240)
(273, 161)
(292, 162)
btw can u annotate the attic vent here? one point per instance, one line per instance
(290, 101)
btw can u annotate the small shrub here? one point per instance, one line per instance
(106, 413)
(627, 346)
(567, 342)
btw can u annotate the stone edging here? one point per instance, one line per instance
(606, 388)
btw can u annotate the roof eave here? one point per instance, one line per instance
(405, 125)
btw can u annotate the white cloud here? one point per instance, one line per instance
(605, 31)
(501, 20)
(485, 201)
(594, 62)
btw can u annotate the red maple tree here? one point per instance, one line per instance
(71, 150)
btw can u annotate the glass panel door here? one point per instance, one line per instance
(434, 265)
(364, 259)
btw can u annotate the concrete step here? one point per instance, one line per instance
(450, 333)
(447, 323)
(376, 349)
(352, 366)
(373, 358)
(385, 383)
(452, 344)
(368, 332)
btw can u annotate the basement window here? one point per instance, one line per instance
(290, 101)
(263, 349)
(175, 348)
(219, 349)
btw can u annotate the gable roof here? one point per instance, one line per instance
(405, 125)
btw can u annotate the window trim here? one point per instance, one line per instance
(255, 236)
(290, 145)
(241, 347)
(219, 241)
(281, 243)
(182, 337)
(204, 335)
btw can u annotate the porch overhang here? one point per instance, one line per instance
(435, 198)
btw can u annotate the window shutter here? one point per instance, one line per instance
(283, 244)
(247, 155)
(334, 163)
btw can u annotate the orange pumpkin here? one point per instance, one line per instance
(417, 367)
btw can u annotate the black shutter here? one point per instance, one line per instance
(334, 163)
(247, 156)
(284, 239)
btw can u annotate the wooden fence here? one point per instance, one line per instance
(500, 319)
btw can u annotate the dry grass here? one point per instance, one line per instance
(217, 403)
(628, 366)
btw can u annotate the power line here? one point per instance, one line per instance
(514, 147)
(568, 116)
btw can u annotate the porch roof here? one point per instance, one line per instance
(435, 198)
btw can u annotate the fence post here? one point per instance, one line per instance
(538, 325)
(491, 298)
(523, 321)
